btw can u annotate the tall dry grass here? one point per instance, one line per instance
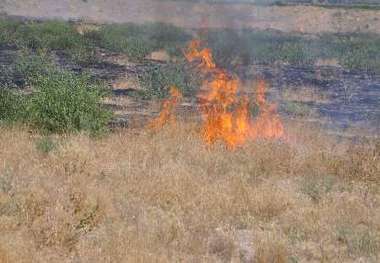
(134, 196)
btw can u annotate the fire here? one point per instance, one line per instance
(167, 114)
(268, 124)
(226, 115)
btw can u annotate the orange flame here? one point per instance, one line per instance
(225, 115)
(167, 114)
(268, 124)
(221, 122)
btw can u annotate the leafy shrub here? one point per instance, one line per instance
(158, 79)
(12, 105)
(29, 65)
(25, 65)
(65, 102)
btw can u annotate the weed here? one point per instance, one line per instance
(46, 144)
(296, 108)
(137, 41)
(65, 102)
(7, 29)
(158, 79)
(272, 250)
(5, 181)
(353, 51)
(12, 106)
(358, 241)
(316, 188)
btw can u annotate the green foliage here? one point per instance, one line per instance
(30, 65)
(12, 106)
(137, 41)
(49, 35)
(7, 30)
(158, 79)
(45, 145)
(26, 65)
(64, 102)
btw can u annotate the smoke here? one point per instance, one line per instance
(236, 14)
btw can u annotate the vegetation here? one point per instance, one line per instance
(63, 102)
(354, 52)
(157, 80)
(136, 196)
(60, 101)
(139, 196)
(137, 41)
(12, 106)
(230, 47)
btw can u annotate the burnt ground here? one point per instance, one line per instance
(344, 102)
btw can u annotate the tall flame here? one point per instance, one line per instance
(167, 114)
(226, 115)
(268, 124)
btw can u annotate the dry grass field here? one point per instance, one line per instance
(135, 196)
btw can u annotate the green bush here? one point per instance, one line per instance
(158, 79)
(12, 106)
(26, 65)
(29, 65)
(64, 102)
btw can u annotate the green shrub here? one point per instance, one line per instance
(158, 79)
(12, 106)
(29, 65)
(64, 102)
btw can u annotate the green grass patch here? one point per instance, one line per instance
(158, 79)
(245, 47)
(137, 41)
(12, 106)
(46, 144)
(50, 36)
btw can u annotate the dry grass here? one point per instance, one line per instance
(134, 196)
(304, 94)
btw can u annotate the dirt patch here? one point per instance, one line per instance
(306, 19)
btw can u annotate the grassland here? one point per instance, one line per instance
(131, 195)
(352, 51)
(134, 196)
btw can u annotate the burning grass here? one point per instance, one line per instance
(137, 196)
